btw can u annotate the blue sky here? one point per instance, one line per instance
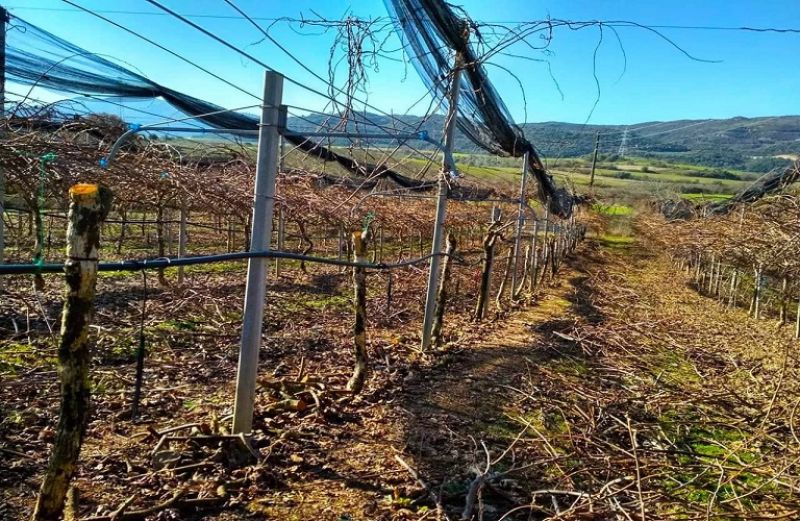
(755, 74)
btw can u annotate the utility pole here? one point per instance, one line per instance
(3, 21)
(256, 289)
(594, 159)
(623, 146)
(441, 202)
(520, 223)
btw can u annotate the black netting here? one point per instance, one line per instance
(771, 182)
(37, 57)
(432, 32)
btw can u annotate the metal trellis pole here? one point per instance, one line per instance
(520, 222)
(256, 289)
(441, 205)
(3, 20)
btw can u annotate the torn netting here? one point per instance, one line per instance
(432, 31)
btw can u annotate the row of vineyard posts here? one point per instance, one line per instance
(762, 291)
(548, 244)
(745, 259)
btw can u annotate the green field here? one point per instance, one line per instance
(626, 179)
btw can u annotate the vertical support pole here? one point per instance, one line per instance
(3, 20)
(757, 293)
(356, 382)
(797, 320)
(520, 224)
(182, 238)
(441, 205)
(89, 206)
(546, 223)
(256, 289)
(169, 235)
(594, 159)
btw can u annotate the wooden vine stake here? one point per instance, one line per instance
(356, 383)
(441, 297)
(89, 206)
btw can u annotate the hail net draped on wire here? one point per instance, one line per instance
(432, 31)
(35, 57)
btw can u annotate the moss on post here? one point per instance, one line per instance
(356, 383)
(89, 206)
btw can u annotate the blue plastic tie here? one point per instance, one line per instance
(104, 163)
(134, 126)
(423, 135)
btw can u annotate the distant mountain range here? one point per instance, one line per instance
(746, 143)
(750, 143)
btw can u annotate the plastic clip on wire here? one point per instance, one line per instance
(368, 219)
(41, 201)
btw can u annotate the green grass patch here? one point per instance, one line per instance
(612, 209)
(706, 197)
(671, 367)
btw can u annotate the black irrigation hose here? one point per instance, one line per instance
(170, 262)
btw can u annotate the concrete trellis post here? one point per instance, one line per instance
(441, 204)
(356, 382)
(256, 289)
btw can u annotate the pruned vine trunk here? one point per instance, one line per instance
(486, 273)
(89, 207)
(304, 238)
(504, 280)
(356, 383)
(441, 298)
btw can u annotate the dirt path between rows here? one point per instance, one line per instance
(622, 394)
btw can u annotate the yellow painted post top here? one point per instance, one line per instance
(83, 192)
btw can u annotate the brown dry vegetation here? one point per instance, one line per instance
(618, 392)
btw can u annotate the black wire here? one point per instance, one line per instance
(171, 262)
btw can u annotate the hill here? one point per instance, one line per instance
(752, 144)
(745, 143)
